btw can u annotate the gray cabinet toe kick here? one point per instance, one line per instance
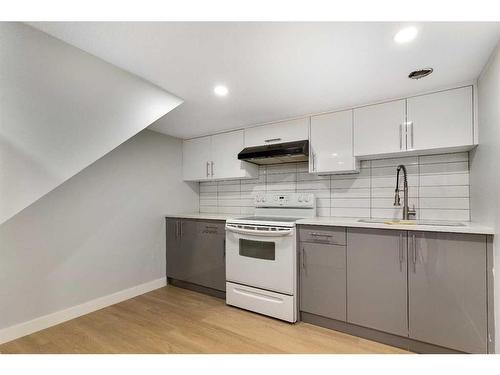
(428, 292)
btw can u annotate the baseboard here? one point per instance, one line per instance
(46, 321)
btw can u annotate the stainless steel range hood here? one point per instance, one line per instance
(278, 153)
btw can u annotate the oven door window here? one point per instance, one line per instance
(258, 249)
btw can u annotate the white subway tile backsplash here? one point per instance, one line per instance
(387, 213)
(281, 168)
(350, 183)
(223, 187)
(350, 193)
(391, 181)
(323, 211)
(444, 191)
(438, 187)
(440, 168)
(350, 212)
(450, 203)
(444, 179)
(439, 214)
(389, 202)
(351, 202)
(281, 177)
(388, 192)
(313, 185)
(209, 209)
(281, 186)
(229, 210)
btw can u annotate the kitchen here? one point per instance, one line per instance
(261, 187)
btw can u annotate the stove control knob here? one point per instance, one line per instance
(300, 198)
(306, 199)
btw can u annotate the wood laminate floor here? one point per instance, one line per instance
(174, 320)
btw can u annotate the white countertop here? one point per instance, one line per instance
(471, 228)
(206, 216)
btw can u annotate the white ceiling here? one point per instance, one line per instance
(276, 71)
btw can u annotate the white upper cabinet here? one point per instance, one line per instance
(440, 120)
(216, 157)
(196, 157)
(331, 143)
(225, 149)
(280, 132)
(378, 129)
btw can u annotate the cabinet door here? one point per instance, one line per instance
(331, 143)
(447, 290)
(286, 131)
(175, 259)
(378, 129)
(440, 120)
(203, 245)
(376, 279)
(323, 280)
(225, 149)
(196, 157)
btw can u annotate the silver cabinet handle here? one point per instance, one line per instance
(411, 127)
(313, 166)
(414, 245)
(314, 234)
(400, 136)
(208, 166)
(212, 167)
(401, 252)
(182, 227)
(177, 231)
(272, 140)
(303, 258)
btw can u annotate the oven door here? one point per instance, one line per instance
(261, 256)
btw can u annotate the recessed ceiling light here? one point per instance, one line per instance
(406, 35)
(221, 90)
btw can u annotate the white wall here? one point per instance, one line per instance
(100, 232)
(60, 110)
(485, 170)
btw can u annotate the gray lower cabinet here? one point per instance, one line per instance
(196, 252)
(323, 279)
(376, 279)
(207, 255)
(175, 260)
(447, 290)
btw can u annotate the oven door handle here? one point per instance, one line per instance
(280, 233)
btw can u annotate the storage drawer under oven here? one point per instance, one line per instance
(328, 235)
(262, 301)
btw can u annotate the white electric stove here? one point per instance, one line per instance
(261, 255)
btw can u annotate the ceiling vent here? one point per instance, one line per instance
(417, 74)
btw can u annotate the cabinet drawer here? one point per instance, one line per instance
(211, 227)
(328, 235)
(274, 304)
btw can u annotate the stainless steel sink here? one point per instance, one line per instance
(416, 222)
